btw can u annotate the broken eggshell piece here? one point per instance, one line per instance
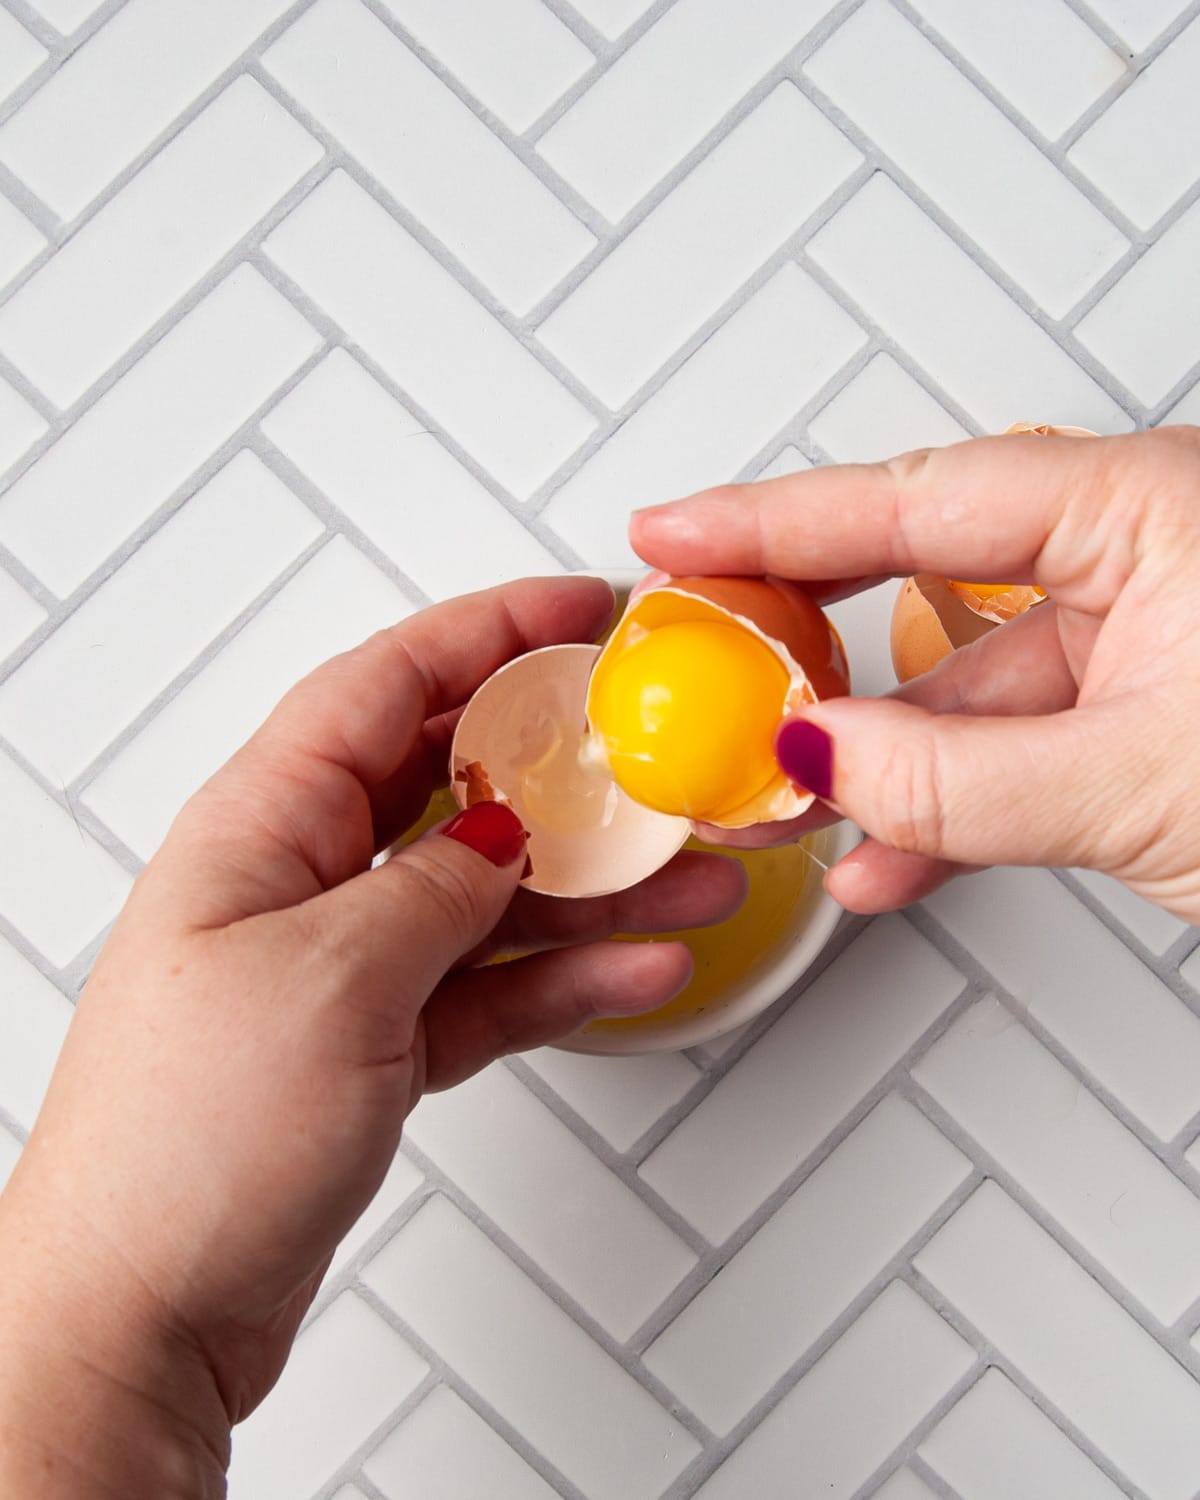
(519, 741)
(934, 616)
(688, 694)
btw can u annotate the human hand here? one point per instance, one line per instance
(266, 1012)
(1067, 737)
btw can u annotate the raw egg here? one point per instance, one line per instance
(607, 755)
(688, 695)
(934, 616)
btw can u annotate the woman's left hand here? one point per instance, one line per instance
(267, 1011)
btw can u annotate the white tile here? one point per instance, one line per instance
(34, 1017)
(1085, 1354)
(66, 16)
(711, 417)
(937, 303)
(127, 83)
(1150, 924)
(402, 1181)
(1147, 329)
(333, 603)
(10, 1152)
(20, 54)
(904, 1485)
(842, 1226)
(1138, 22)
(349, 1492)
(1185, 411)
(1084, 986)
(63, 705)
(882, 412)
(1013, 202)
(612, 17)
(20, 425)
(57, 885)
(540, 1185)
(1139, 151)
(430, 335)
(1070, 1154)
(789, 460)
(995, 1444)
(1037, 53)
(445, 1451)
(781, 1100)
(1192, 1155)
(145, 249)
(19, 614)
(722, 222)
(621, 1097)
(618, 140)
(393, 479)
(347, 1372)
(19, 241)
(861, 1398)
(430, 151)
(514, 55)
(142, 439)
(528, 1359)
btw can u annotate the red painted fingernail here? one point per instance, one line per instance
(805, 753)
(491, 829)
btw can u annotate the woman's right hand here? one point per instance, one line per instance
(1071, 736)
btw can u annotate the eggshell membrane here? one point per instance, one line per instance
(933, 617)
(506, 730)
(779, 614)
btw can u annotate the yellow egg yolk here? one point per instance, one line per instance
(990, 590)
(688, 716)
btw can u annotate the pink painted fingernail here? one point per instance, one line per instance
(805, 754)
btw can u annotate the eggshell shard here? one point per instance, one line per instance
(519, 741)
(934, 616)
(928, 623)
(778, 614)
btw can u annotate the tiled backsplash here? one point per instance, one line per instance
(312, 313)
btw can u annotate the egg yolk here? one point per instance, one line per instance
(990, 590)
(688, 716)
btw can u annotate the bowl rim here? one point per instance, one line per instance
(775, 980)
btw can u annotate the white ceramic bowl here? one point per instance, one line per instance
(813, 924)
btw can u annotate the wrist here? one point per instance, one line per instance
(98, 1395)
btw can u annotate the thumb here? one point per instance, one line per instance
(984, 791)
(414, 916)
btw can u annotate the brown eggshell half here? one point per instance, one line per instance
(928, 623)
(931, 617)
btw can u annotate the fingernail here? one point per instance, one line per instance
(491, 829)
(805, 753)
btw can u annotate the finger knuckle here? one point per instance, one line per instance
(446, 891)
(911, 809)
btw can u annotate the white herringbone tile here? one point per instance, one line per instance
(513, 55)
(429, 150)
(1042, 1311)
(157, 426)
(313, 311)
(396, 301)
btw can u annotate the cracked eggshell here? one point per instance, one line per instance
(519, 741)
(934, 616)
(778, 613)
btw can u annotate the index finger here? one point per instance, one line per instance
(982, 509)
